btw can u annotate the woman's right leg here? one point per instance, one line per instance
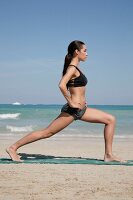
(62, 121)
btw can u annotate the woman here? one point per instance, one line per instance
(72, 86)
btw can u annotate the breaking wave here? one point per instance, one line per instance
(10, 116)
(19, 129)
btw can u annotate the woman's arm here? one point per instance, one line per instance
(63, 82)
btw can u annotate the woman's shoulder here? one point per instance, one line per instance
(71, 68)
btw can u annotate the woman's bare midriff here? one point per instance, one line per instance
(78, 95)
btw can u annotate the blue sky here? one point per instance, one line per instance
(34, 35)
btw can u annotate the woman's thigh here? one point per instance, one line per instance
(96, 116)
(62, 121)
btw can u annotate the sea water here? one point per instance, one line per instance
(18, 120)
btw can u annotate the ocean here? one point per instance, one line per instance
(18, 120)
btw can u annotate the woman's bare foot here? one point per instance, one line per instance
(112, 158)
(13, 154)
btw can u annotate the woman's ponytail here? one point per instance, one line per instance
(67, 61)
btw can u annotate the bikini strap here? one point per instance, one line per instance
(75, 67)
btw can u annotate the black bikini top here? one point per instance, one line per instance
(79, 81)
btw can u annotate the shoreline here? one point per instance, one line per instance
(71, 142)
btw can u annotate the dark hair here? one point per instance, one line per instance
(71, 49)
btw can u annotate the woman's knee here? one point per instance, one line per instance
(111, 119)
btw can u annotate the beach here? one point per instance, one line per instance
(67, 181)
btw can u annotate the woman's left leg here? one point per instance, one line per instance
(97, 116)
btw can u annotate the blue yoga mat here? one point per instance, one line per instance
(42, 159)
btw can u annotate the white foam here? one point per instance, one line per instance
(10, 116)
(93, 136)
(19, 129)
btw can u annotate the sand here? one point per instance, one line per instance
(67, 181)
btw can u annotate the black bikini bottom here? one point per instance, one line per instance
(75, 112)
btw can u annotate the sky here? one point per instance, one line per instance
(35, 34)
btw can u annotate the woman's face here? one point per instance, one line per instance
(82, 54)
